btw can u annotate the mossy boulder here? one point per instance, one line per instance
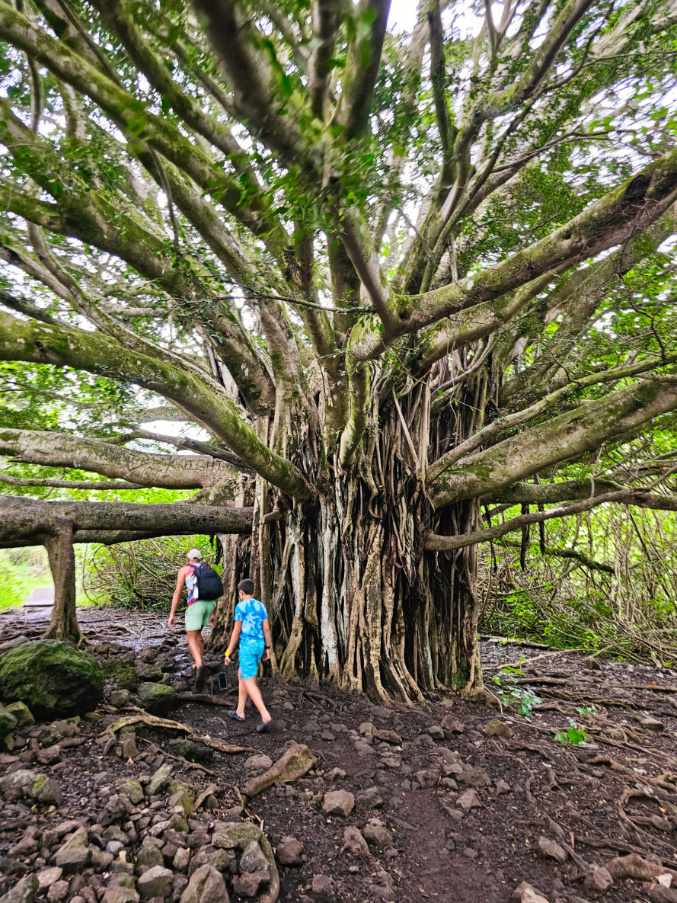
(123, 673)
(51, 678)
(158, 699)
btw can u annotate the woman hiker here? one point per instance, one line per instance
(199, 614)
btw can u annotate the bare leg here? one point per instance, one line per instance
(252, 689)
(242, 694)
(196, 645)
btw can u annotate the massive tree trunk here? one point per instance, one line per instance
(353, 595)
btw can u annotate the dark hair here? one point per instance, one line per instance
(246, 586)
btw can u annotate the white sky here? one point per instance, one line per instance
(402, 15)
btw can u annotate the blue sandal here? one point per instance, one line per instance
(235, 716)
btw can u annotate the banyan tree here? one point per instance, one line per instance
(395, 292)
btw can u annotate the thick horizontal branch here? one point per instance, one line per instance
(25, 521)
(568, 490)
(141, 468)
(205, 402)
(437, 543)
(585, 428)
(100, 485)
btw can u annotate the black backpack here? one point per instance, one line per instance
(209, 585)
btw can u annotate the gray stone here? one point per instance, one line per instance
(370, 798)
(475, 777)
(334, 774)
(132, 789)
(150, 855)
(354, 842)
(452, 725)
(323, 887)
(468, 800)
(378, 836)
(599, 879)
(252, 858)
(288, 851)
(387, 737)
(498, 728)
(181, 859)
(129, 750)
(74, 855)
(525, 893)
(156, 882)
(249, 884)
(649, 723)
(551, 849)
(428, 778)
(338, 802)
(158, 699)
(57, 891)
(258, 764)
(20, 711)
(119, 698)
(206, 886)
(24, 891)
(117, 893)
(502, 786)
(48, 877)
(231, 835)
(160, 779)
(435, 731)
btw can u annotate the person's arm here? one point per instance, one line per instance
(234, 640)
(180, 580)
(269, 642)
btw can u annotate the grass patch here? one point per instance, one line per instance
(22, 571)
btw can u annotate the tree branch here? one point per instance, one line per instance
(583, 429)
(620, 215)
(437, 543)
(205, 402)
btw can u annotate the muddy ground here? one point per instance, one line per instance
(470, 812)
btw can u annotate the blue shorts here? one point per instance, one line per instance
(250, 656)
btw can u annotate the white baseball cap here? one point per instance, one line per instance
(194, 553)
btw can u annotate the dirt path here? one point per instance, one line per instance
(461, 810)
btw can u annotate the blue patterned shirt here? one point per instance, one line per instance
(252, 613)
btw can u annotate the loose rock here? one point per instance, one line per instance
(354, 842)
(525, 893)
(158, 699)
(338, 802)
(156, 882)
(25, 891)
(468, 800)
(497, 728)
(289, 851)
(206, 886)
(553, 850)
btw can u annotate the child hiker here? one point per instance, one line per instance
(252, 630)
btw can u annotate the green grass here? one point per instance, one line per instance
(21, 571)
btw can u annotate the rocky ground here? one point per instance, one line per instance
(448, 800)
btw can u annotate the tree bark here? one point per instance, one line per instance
(63, 624)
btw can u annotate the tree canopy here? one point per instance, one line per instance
(396, 283)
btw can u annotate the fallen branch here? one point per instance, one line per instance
(169, 725)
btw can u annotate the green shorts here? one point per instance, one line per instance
(198, 614)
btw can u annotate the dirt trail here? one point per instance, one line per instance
(613, 794)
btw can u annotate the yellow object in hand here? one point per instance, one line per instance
(227, 653)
